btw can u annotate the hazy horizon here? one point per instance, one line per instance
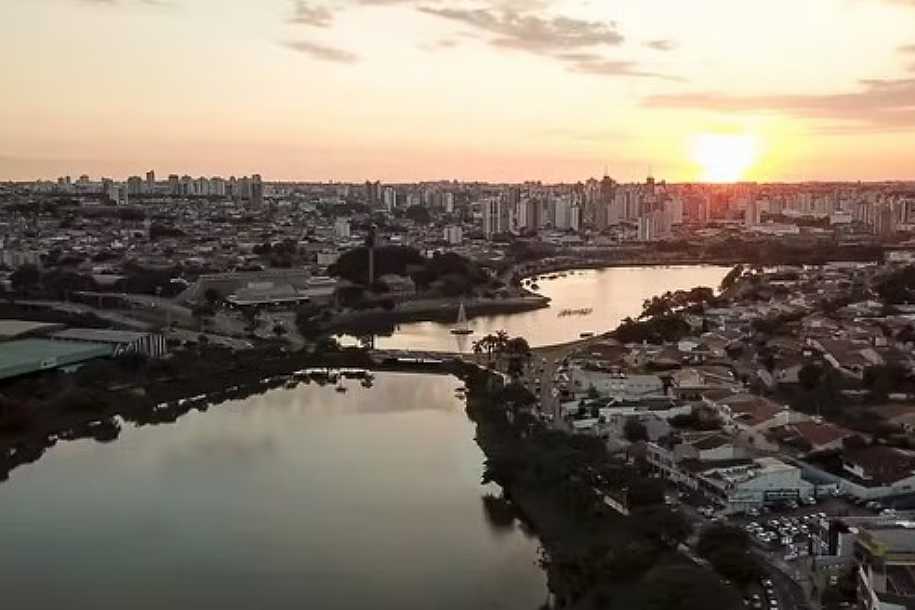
(487, 90)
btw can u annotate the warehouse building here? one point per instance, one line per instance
(27, 356)
(22, 329)
(120, 341)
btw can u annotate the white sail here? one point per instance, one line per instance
(461, 327)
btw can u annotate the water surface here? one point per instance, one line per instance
(612, 294)
(301, 498)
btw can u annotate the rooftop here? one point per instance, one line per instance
(16, 328)
(31, 355)
(99, 335)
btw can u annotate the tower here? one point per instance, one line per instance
(370, 244)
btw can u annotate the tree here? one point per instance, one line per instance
(731, 278)
(25, 278)
(635, 431)
(662, 524)
(212, 296)
(684, 587)
(885, 379)
(809, 376)
(727, 548)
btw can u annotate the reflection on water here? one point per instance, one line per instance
(295, 498)
(611, 294)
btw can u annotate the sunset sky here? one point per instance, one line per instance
(404, 90)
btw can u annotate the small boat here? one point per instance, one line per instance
(461, 327)
(340, 387)
(586, 335)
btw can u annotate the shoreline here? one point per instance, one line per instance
(437, 310)
(521, 272)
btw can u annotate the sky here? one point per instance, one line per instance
(495, 90)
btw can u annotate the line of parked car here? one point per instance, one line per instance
(771, 599)
(791, 533)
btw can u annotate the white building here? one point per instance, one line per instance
(493, 218)
(763, 481)
(614, 385)
(342, 229)
(389, 197)
(454, 235)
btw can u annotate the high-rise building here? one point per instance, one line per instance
(150, 181)
(174, 184)
(575, 218)
(562, 209)
(492, 217)
(605, 199)
(533, 215)
(390, 198)
(257, 191)
(453, 235)
(372, 192)
(134, 185)
(752, 213)
(342, 228)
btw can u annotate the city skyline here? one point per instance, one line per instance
(493, 90)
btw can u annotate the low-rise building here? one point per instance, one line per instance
(27, 356)
(763, 481)
(885, 568)
(121, 341)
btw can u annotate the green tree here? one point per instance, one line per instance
(666, 526)
(25, 278)
(684, 587)
(731, 278)
(635, 431)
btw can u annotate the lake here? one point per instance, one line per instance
(298, 498)
(611, 293)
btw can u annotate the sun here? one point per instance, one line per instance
(724, 157)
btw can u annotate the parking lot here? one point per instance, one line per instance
(791, 537)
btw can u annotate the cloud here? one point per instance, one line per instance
(321, 52)
(307, 14)
(907, 49)
(661, 45)
(608, 67)
(154, 3)
(443, 43)
(590, 63)
(530, 32)
(877, 105)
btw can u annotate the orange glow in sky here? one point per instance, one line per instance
(498, 90)
(724, 158)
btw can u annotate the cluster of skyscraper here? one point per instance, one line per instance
(599, 204)
(245, 189)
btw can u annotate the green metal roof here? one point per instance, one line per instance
(32, 355)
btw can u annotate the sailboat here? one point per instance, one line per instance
(461, 327)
